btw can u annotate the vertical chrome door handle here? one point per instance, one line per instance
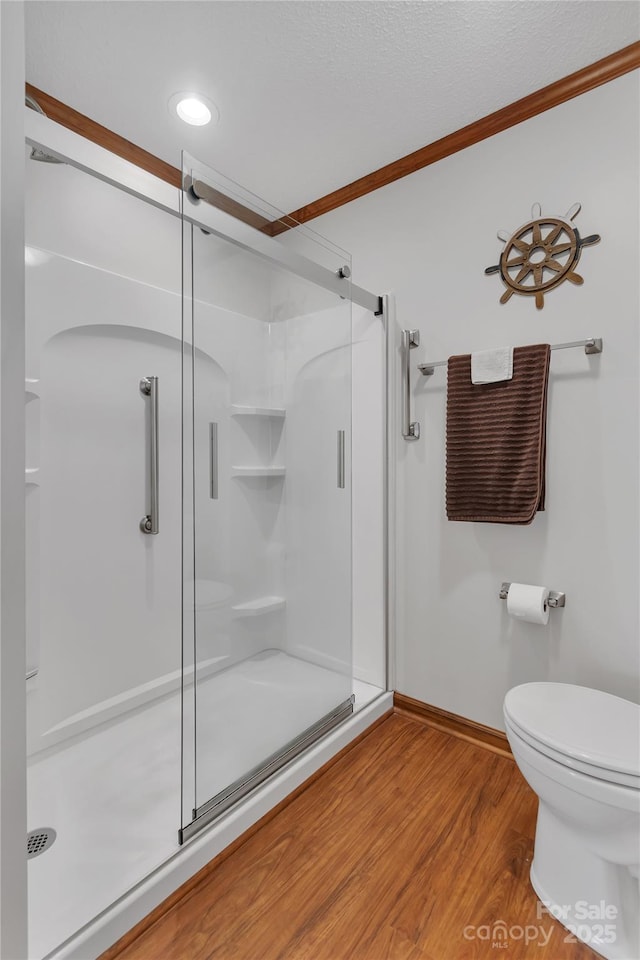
(213, 460)
(410, 339)
(340, 459)
(150, 522)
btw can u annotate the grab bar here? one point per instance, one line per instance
(410, 430)
(150, 522)
(213, 460)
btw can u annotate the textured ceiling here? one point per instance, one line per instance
(312, 94)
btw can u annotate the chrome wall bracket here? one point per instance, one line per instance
(410, 429)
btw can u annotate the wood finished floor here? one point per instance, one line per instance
(408, 840)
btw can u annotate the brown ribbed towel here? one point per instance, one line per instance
(496, 444)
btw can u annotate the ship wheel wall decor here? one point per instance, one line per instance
(541, 255)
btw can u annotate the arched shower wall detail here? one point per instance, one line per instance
(96, 366)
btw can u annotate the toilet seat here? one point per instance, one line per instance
(587, 730)
(570, 762)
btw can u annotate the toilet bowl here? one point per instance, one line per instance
(579, 750)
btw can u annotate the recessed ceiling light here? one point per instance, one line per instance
(193, 108)
(194, 111)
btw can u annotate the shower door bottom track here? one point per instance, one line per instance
(213, 808)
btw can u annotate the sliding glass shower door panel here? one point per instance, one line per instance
(267, 551)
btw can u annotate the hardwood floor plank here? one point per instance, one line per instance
(413, 846)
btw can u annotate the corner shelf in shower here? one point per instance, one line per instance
(239, 410)
(258, 606)
(240, 472)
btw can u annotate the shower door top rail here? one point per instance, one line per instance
(83, 154)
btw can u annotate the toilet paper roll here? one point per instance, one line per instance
(528, 602)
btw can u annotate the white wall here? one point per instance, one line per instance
(428, 238)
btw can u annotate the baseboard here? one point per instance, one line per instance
(456, 726)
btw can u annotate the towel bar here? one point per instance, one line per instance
(556, 599)
(591, 345)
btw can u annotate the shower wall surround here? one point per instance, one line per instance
(83, 280)
(428, 237)
(272, 366)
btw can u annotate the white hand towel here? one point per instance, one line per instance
(490, 366)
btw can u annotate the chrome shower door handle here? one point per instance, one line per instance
(150, 522)
(410, 430)
(213, 460)
(340, 460)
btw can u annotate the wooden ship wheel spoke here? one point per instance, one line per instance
(541, 255)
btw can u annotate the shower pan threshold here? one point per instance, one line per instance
(116, 808)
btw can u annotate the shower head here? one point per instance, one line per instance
(37, 154)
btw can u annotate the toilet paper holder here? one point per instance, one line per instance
(556, 599)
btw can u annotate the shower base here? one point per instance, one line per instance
(113, 794)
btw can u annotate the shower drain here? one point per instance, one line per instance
(39, 840)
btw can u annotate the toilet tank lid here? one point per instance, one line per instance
(589, 725)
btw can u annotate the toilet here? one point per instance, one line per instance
(579, 750)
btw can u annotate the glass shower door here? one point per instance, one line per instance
(267, 499)
(103, 597)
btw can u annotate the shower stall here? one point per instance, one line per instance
(190, 420)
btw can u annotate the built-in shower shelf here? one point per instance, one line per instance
(255, 608)
(257, 472)
(238, 410)
(31, 476)
(31, 391)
